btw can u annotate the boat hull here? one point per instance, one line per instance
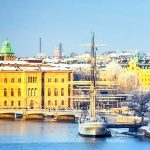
(92, 129)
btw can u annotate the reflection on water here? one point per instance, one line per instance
(51, 135)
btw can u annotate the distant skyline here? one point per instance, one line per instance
(122, 25)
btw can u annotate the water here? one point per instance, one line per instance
(37, 135)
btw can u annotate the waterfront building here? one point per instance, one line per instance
(35, 87)
(58, 89)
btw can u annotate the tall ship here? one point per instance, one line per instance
(92, 125)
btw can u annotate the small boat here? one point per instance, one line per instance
(92, 125)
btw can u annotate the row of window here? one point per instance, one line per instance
(55, 103)
(12, 92)
(56, 80)
(32, 91)
(55, 92)
(11, 103)
(12, 80)
(31, 103)
(32, 79)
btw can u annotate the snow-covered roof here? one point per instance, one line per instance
(42, 68)
(13, 62)
(7, 68)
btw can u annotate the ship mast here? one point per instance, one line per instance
(93, 77)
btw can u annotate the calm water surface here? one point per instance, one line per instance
(37, 135)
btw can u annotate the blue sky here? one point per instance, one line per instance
(122, 24)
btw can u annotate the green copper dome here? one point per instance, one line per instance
(6, 49)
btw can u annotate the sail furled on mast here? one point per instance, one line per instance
(93, 76)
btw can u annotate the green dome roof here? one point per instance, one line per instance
(6, 49)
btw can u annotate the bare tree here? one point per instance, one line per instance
(128, 82)
(140, 103)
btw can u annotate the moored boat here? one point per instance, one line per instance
(92, 125)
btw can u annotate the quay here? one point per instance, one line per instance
(29, 114)
(61, 115)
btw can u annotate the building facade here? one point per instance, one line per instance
(35, 88)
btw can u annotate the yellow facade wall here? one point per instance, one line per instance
(56, 90)
(143, 75)
(33, 86)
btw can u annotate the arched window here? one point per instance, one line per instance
(31, 80)
(5, 92)
(35, 79)
(19, 103)
(62, 80)
(35, 91)
(12, 92)
(62, 92)
(49, 92)
(56, 79)
(56, 92)
(31, 104)
(62, 102)
(29, 92)
(12, 103)
(55, 102)
(5, 103)
(49, 103)
(5, 80)
(32, 92)
(19, 92)
(49, 79)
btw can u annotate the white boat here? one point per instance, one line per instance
(92, 125)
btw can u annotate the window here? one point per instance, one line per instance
(62, 92)
(19, 92)
(12, 103)
(49, 92)
(35, 91)
(19, 103)
(5, 80)
(19, 80)
(31, 104)
(32, 92)
(56, 79)
(55, 102)
(62, 80)
(12, 80)
(62, 102)
(5, 92)
(5, 103)
(56, 92)
(29, 92)
(29, 79)
(35, 79)
(49, 103)
(49, 79)
(12, 92)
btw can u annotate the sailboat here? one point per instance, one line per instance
(92, 125)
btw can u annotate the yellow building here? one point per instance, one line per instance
(143, 75)
(138, 77)
(58, 89)
(35, 87)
